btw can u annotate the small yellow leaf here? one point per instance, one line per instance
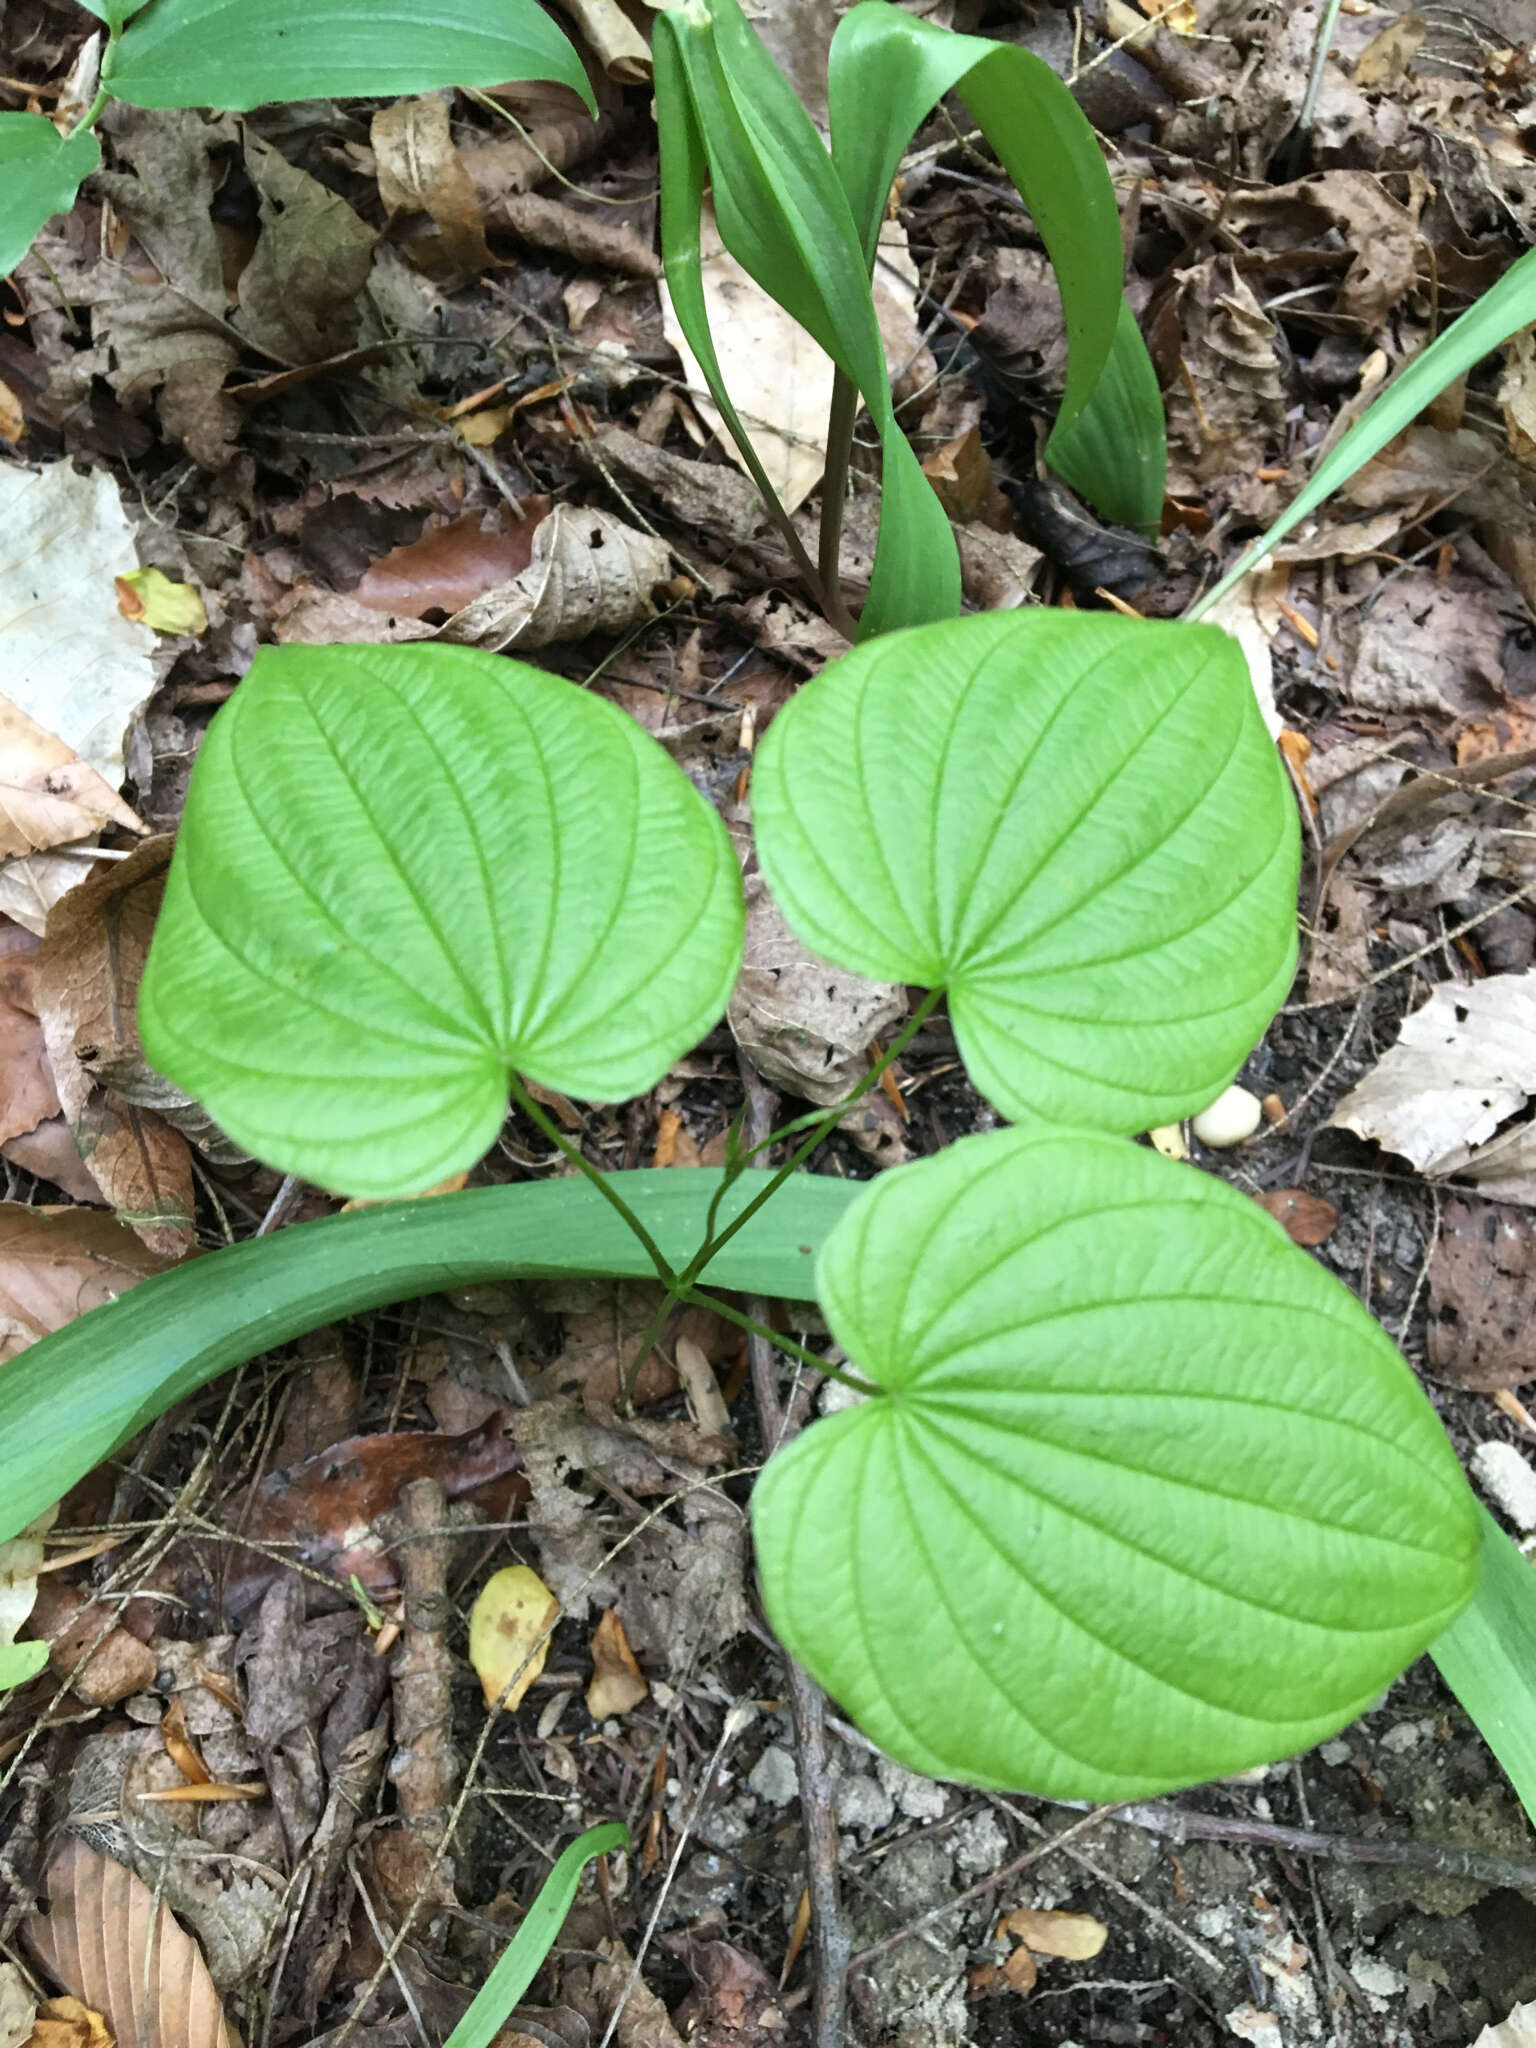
(152, 599)
(1075, 1936)
(66, 2023)
(514, 1612)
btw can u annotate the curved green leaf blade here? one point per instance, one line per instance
(1503, 310)
(1077, 825)
(1488, 1658)
(1147, 1498)
(68, 1401)
(520, 1961)
(1115, 453)
(40, 173)
(404, 873)
(244, 53)
(723, 103)
(886, 72)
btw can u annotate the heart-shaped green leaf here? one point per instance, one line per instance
(405, 872)
(40, 173)
(244, 53)
(1147, 1496)
(1075, 824)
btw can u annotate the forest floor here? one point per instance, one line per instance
(337, 369)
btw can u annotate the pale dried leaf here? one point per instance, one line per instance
(1077, 1937)
(616, 43)
(105, 1939)
(590, 573)
(56, 1264)
(51, 1154)
(1463, 1062)
(1518, 2030)
(617, 1682)
(48, 796)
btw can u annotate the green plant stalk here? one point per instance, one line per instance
(520, 1961)
(834, 487)
(601, 1181)
(715, 1241)
(810, 1359)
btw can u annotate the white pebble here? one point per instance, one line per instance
(1508, 1482)
(1233, 1116)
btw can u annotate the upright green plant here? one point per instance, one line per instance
(805, 222)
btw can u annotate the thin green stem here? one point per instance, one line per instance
(787, 1345)
(599, 1180)
(834, 493)
(717, 1239)
(91, 115)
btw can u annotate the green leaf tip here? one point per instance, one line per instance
(404, 873)
(1148, 1497)
(1077, 825)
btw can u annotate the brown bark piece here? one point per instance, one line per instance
(103, 1663)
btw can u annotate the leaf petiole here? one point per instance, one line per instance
(599, 1180)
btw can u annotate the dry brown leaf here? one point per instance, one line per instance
(616, 43)
(551, 224)
(48, 795)
(180, 1747)
(102, 1661)
(56, 1264)
(27, 1094)
(87, 990)
(420, 171)
(66, 2023)
(1306, 1219)
(143, 1169)
(105, 1939)
(590, 573)
(298, 292)
(1226, 398)
(617, 1682)
(1482, 1296)
(1077, 1937)
(1020, 1971)
(50, 1152)
(961, 474)
(451, 566)
(1389, 54)
(706, 1403)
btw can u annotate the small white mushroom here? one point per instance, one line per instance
(1233, 1116)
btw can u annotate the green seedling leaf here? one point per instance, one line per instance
(113, 16)
(724, 109)
(71, 1399)
(521, 1959)
(1076, 825)
(886, 72)
(1147, 1497)
(243, 53)
(1115, 453)
(19, 1662)
(1504, 309)
(40, 173)
(405, 873)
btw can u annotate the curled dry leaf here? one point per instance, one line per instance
(509, 1629)
(48, 795)
(21, 1559)
(420, 171)
(451, 566)
(617, 1682)
(551, 224)
(27, 1093)
(589, 573)
(106, 1940)
(615, 41)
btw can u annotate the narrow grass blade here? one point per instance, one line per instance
(1501, 311)
(1115, 453)
(519, 1961)
(1488, 1658)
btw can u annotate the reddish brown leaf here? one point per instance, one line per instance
(102, 1662)
(451, 566)
(617, 1681)
(55, 1264)
(1306, 1219)
(124, 1957)
(27, 1093)
(1482, 1295)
